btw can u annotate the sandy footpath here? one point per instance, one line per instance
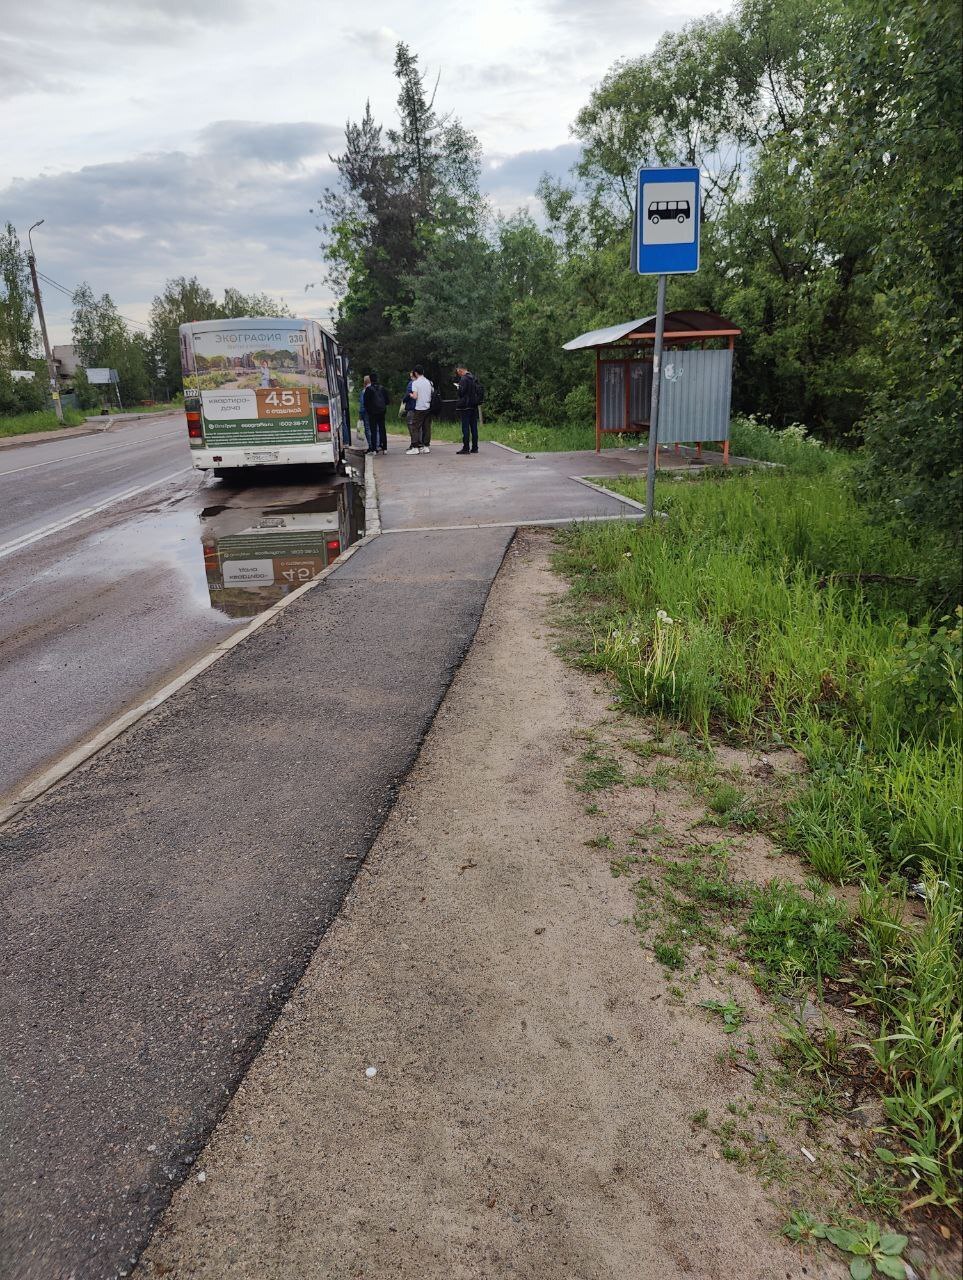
(530, 1115)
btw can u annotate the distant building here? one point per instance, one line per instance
(66, 362)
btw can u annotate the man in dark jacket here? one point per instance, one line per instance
(375, 402)
(364, 414)
(468, 408)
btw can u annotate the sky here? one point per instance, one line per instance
(159, 138)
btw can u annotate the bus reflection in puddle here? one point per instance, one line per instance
(253, 559)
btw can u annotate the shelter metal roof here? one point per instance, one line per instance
(678, 324)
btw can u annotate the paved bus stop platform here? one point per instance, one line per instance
(163, 899)
(499, 486)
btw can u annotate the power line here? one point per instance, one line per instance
(70, 293)
(62, 287)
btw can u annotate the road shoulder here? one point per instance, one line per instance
(92, 427)
(531, 1103)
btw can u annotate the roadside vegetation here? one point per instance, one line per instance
(771, 610)
(831, 232)
(17, 424)
(748, 437)
(526, 437)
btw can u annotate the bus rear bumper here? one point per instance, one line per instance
(265, 456)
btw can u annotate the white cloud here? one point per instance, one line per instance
(163, 137)
(226, 211)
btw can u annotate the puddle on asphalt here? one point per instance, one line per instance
(228, 549)
(253, 557)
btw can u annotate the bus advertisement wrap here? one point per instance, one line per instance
(257, 383)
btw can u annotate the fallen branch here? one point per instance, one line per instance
(896, 578)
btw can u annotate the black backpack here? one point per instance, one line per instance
(479, 390)
(379, 398)
(436, 401)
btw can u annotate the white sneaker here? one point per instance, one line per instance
(426, 448)
(409, 452)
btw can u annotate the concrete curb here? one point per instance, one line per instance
(48, 437)
(372, 512)
(116, 421)
(549, 522)
(81, 754)
(609, 493)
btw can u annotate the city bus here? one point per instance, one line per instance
(263, 391)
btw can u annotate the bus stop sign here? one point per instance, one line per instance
(665, 234)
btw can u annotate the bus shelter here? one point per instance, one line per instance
(696, 392)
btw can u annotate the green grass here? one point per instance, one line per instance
(527, 437)
(42, 420)
(175, 406)
(694, 896)
(746, 614)
(751, 438)
(796, 938)
(601, 771)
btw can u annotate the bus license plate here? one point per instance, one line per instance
(263, 455)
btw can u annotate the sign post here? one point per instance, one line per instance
(665, 241)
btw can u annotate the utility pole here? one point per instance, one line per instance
(51, 371)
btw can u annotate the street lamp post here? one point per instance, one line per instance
(51, 371)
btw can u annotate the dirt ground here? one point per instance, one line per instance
(530, 1112)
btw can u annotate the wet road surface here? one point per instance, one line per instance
(42, 484)
(98, 616)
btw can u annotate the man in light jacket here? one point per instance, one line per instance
(420, 428)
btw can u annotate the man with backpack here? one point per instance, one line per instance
(471, 393)
(374, 402)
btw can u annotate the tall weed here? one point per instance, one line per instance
(791, 621)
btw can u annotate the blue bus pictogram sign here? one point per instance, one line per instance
(665, 234)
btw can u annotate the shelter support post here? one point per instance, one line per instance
(598, 401)
(725, 447)
(654, 412)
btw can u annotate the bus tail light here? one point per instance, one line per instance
(322, 420)
(333, 547)
(194, 429)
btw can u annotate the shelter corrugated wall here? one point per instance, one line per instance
(640, 390)
(696, 393)
(695, 402)
(613, 397)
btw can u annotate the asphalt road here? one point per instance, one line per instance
(100, 614)
(41, 484)
(160, 903)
